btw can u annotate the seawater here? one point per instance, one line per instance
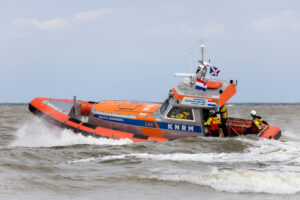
(38, 161)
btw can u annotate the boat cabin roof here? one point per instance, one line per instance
(127, 108)
(217, 96)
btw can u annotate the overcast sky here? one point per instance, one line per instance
(130, 49)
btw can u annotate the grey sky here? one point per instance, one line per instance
(130, 49)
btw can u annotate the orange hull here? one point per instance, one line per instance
(236, 127)
(41, 109)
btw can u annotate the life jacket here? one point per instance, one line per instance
(223, 112)
(256, 124)
(213, 123)
(183, 115)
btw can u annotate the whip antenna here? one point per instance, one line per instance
(236, 70)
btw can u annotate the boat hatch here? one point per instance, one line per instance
(128, 106)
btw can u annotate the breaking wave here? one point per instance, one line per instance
(240, 181)
(285, 155)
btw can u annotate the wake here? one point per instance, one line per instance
(35, 133)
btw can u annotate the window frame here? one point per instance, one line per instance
(166, 109)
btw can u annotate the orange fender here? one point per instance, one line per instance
(213, 84)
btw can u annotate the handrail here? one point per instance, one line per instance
(230, 123)
(244, 121)
(239, 119)
(242, 126)
(130, 101)
(263, 130)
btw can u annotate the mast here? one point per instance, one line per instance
(202, 46)
(204, 70)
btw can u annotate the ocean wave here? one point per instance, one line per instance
(239, 181)
(91, 159)
(260, 151)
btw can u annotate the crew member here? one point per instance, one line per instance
(256, 125)
(214, 123)
(223, 111)
(182, 115)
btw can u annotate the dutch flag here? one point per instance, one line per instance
(200, 85)
(211, 103)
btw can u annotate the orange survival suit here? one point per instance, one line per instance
(214, 123)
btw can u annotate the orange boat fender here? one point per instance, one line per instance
(86, 107)
(213, 84)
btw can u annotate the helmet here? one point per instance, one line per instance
(212, 112)
(253, 113)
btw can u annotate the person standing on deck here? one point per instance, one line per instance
(224, 115)
(214, 123)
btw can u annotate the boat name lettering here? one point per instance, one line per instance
(181, 127)
(199, 102)
(116, 119)
(194, 101)
(103, 117)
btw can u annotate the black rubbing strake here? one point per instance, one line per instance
(89, 125)
(74, 120)
(140, 137)
(32, 109)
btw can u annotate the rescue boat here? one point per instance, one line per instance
(181, 115)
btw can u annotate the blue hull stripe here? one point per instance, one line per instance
(149, 124)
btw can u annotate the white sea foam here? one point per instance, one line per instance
(276, 155)
(84, 160)
(240, 181)
(261, 151)
(36, 134)
(91, 159)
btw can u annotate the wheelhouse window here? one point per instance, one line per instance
(181, 113)
(164, 107)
